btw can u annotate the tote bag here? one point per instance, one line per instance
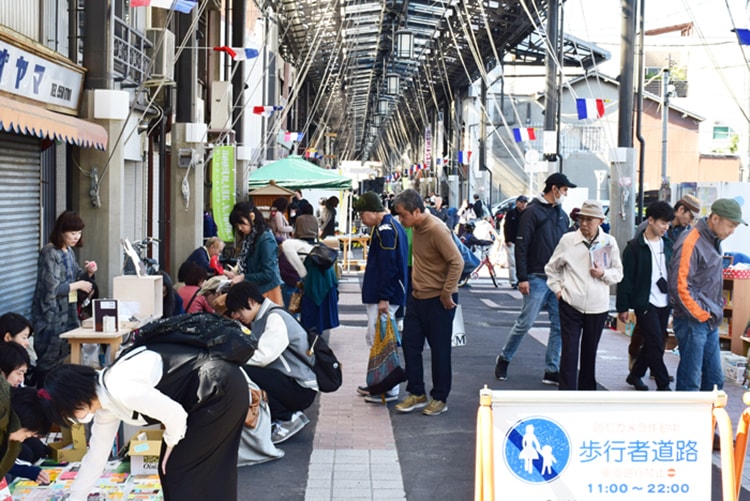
(384, 369)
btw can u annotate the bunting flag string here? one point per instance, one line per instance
(524, 134)
(238, 54)
(184, 6)
(743, 36)
(266, 111)
(590, 108)
(293, 136)
(464, 157)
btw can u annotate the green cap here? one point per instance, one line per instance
(369, 201)
(728, 208)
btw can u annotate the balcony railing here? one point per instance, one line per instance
(130, 60)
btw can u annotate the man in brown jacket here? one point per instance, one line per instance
(436, 268)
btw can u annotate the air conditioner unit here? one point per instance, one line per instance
(161, 53)
(221, 105)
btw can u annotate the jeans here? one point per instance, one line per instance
(580, 334)
(428, 319)
(700, 360)
(510, 249)
(539, 296)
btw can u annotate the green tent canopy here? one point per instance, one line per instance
(295, 173)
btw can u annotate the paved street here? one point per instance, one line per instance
(355, 450)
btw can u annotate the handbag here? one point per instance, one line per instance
(295, 301)
(384, 369)
(322, 256)
(458, 337)
(257, 396)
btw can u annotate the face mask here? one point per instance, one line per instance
(559, 200)
(85, 419)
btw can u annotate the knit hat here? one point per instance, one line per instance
(369, 202)
(692, 203)
(728, 208)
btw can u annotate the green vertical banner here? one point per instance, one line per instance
(222, 190)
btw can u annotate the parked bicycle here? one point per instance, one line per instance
(485, 261)
(135, 257)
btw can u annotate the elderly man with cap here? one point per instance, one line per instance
(583, 266)
(540, 228)
(384, 283)
(695, 294)
(510, 231)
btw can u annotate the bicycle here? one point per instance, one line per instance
(135, 261)
(485, 261)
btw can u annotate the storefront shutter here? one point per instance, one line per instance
(19, 221)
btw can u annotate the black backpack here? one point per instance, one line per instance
(327, 368)
(219, 336)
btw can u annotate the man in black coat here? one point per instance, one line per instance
(510, 231)
(540, 228)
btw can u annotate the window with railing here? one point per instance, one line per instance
(582, 139)
(130, 60)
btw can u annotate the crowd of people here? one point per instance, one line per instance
(673, 264)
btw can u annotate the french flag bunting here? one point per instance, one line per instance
(266, 111)
(184, 6)
(238, 54)
(524, 134)
(743, 35)
(590, 108)
(310, 152)
(464, 157)
(293, 136)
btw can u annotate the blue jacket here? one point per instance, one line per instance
(262, 263)
(387, 258)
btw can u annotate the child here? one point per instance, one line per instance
(16, 328)
(14, 361)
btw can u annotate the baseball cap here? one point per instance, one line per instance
(369, 201)
(728, 208)
(522, 198)
(558, 179)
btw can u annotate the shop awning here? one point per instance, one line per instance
(23, 118)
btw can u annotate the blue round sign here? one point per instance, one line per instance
(537, 450)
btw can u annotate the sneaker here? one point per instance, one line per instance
(362, 390)
(501, 369)
(435, 407)
(284, 430)
(383, 398)
(411, 403)
(551, 378)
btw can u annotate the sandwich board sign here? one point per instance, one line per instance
(580, 446)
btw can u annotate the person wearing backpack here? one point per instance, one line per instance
(276, 366)
(201, 400)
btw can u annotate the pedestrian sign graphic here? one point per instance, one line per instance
(537, 450)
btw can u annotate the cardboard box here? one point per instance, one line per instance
(72, 447)
(735, 374)
(143, 294)
(144, 450)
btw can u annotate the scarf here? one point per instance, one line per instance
(248, 245)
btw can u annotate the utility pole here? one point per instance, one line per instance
(665, 93)
(551, 91)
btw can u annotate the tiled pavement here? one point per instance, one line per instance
(354, 452)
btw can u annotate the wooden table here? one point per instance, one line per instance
(77, 337)
(347, 240)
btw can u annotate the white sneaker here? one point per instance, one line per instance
(284, 430)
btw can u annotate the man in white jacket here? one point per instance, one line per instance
(582, 267)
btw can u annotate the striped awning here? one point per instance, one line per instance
(28, 119)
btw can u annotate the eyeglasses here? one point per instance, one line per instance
(587, 219)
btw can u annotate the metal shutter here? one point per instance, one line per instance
(19, 221)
